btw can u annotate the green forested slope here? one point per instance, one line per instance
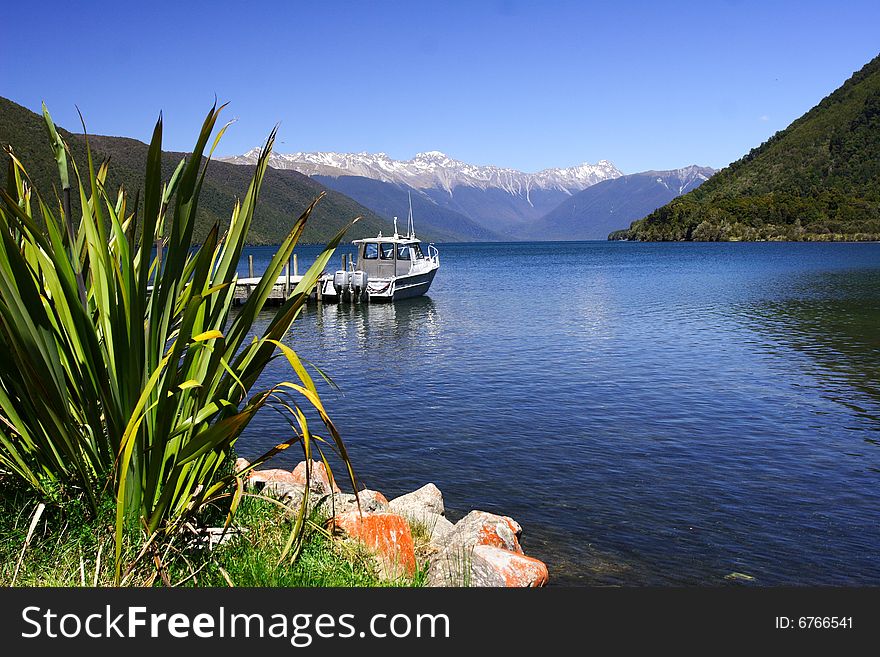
(284, 195)
(819, 179)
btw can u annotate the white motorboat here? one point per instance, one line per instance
(386, 269)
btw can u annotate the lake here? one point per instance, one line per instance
(652, 414)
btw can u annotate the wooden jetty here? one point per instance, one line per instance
(244, 287)
(282, 288)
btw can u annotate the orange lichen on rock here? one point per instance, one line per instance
(386, 534)
(482, 528)
(489, 534)
(514, 569)
(261, 478)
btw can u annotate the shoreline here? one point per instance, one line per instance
(480, 550)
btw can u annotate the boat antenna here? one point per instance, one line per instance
(410, 225)
(395, 228)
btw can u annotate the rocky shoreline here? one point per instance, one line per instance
(480, 550)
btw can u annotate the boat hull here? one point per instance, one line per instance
(406, 287)
(396, 289)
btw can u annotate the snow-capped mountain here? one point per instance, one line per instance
(489, 200)
(610, 205)
(682, 180)
(434, 169)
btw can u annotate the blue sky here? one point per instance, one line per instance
(528, 85)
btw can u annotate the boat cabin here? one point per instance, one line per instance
(387, 257)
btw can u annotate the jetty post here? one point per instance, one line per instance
(251, 265)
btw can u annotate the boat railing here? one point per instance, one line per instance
(433, 253)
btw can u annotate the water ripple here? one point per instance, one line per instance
(651, 413)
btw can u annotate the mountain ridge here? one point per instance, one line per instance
(601, 208)
(435, 169)
(391, 200)
(284, 195)
(483, 201)
(818, 179)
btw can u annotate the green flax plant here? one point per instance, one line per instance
(123, 369)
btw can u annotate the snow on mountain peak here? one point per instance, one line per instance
(431, 155)
(683, 179)
(435, 169)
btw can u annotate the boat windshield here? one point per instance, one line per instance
(403, 252)
(386, 251)
(417, 251)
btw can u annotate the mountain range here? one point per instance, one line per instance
(819, 179)
(603, 207)
(452, 200)
(434, 169)
(478, 202)
(459, 200)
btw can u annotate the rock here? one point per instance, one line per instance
(260, 478)
(424, 506)
(386, 534)
(372, 501)
(292, 494)
(241, 464)
(439, 526)
(320, 480)
(490, 564)
(456, 564)
(428, 498)
(452, 567)
(290, 488)
(514, 525)
(335, 504)
(211, 537)
(482, 528)
(485, 566)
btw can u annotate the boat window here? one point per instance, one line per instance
(386, 251)
(418, 251)
(403, 252)
(371, 251)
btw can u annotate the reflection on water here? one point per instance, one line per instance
(650, 413)
(360, 325)
(833, 320)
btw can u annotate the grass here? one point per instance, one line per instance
(71, 548)
(251, 558)
(421, 532)
(421, 535)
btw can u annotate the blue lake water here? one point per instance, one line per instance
(650, 413)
